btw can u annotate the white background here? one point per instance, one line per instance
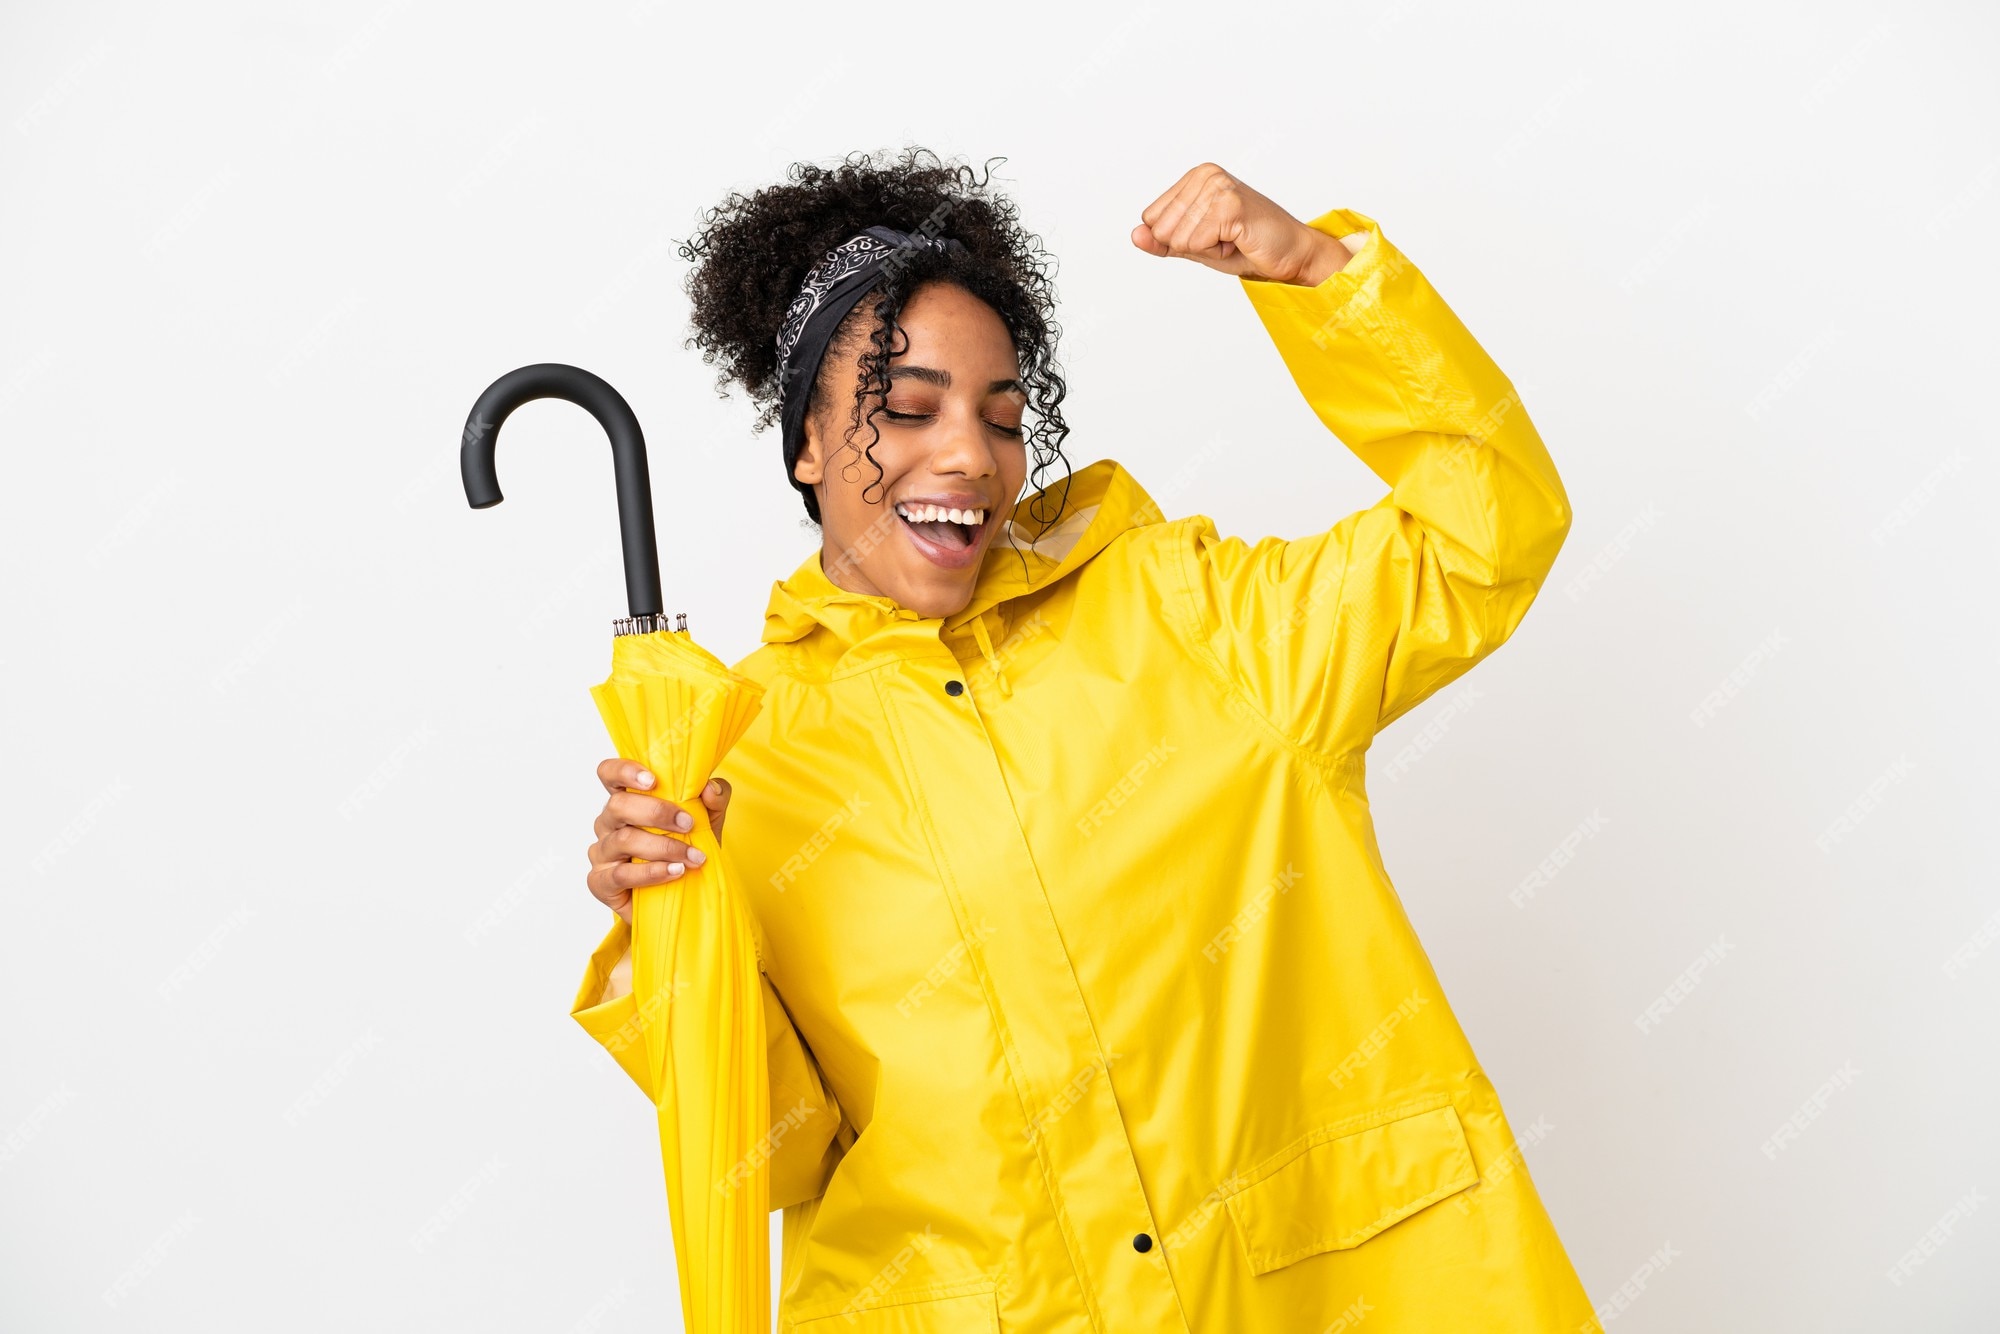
(299, 749)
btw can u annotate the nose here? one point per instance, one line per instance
(964, 446)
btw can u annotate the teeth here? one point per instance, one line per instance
(935, 513)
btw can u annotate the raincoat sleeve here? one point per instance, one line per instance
(1333, 636)
(806, 1138)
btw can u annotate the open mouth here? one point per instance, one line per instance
(947, 529)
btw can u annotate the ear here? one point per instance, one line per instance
(807, 467)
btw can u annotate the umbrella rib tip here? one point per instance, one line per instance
(649, 624)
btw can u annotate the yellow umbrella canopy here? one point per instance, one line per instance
(674, 707)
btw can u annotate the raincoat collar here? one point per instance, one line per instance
(1100, 501)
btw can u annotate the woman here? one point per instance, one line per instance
(1091, 1005)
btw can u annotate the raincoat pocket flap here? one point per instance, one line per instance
(966, 1313)
(1337, 1187)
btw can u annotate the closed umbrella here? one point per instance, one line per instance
(675, 708)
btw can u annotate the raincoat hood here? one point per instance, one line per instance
(1100, 503)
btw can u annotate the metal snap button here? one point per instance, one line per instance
(954, 687)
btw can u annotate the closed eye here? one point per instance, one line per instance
(1014, 431)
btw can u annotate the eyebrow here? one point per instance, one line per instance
(942, 378)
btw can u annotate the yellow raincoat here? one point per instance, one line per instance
(1091, 1005)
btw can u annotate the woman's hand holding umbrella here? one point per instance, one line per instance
(637, 841)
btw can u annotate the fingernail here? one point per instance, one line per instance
(645, 779)
(714, 788)
(675, 868)
(696, 856)
(683, 821)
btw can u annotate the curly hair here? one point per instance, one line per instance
(752, 254)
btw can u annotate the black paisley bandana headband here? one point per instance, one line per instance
(831, 289)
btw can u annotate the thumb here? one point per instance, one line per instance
(715, 798)
(1142, 236)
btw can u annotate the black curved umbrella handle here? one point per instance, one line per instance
(550, 379)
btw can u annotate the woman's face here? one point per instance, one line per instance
(951, 440)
